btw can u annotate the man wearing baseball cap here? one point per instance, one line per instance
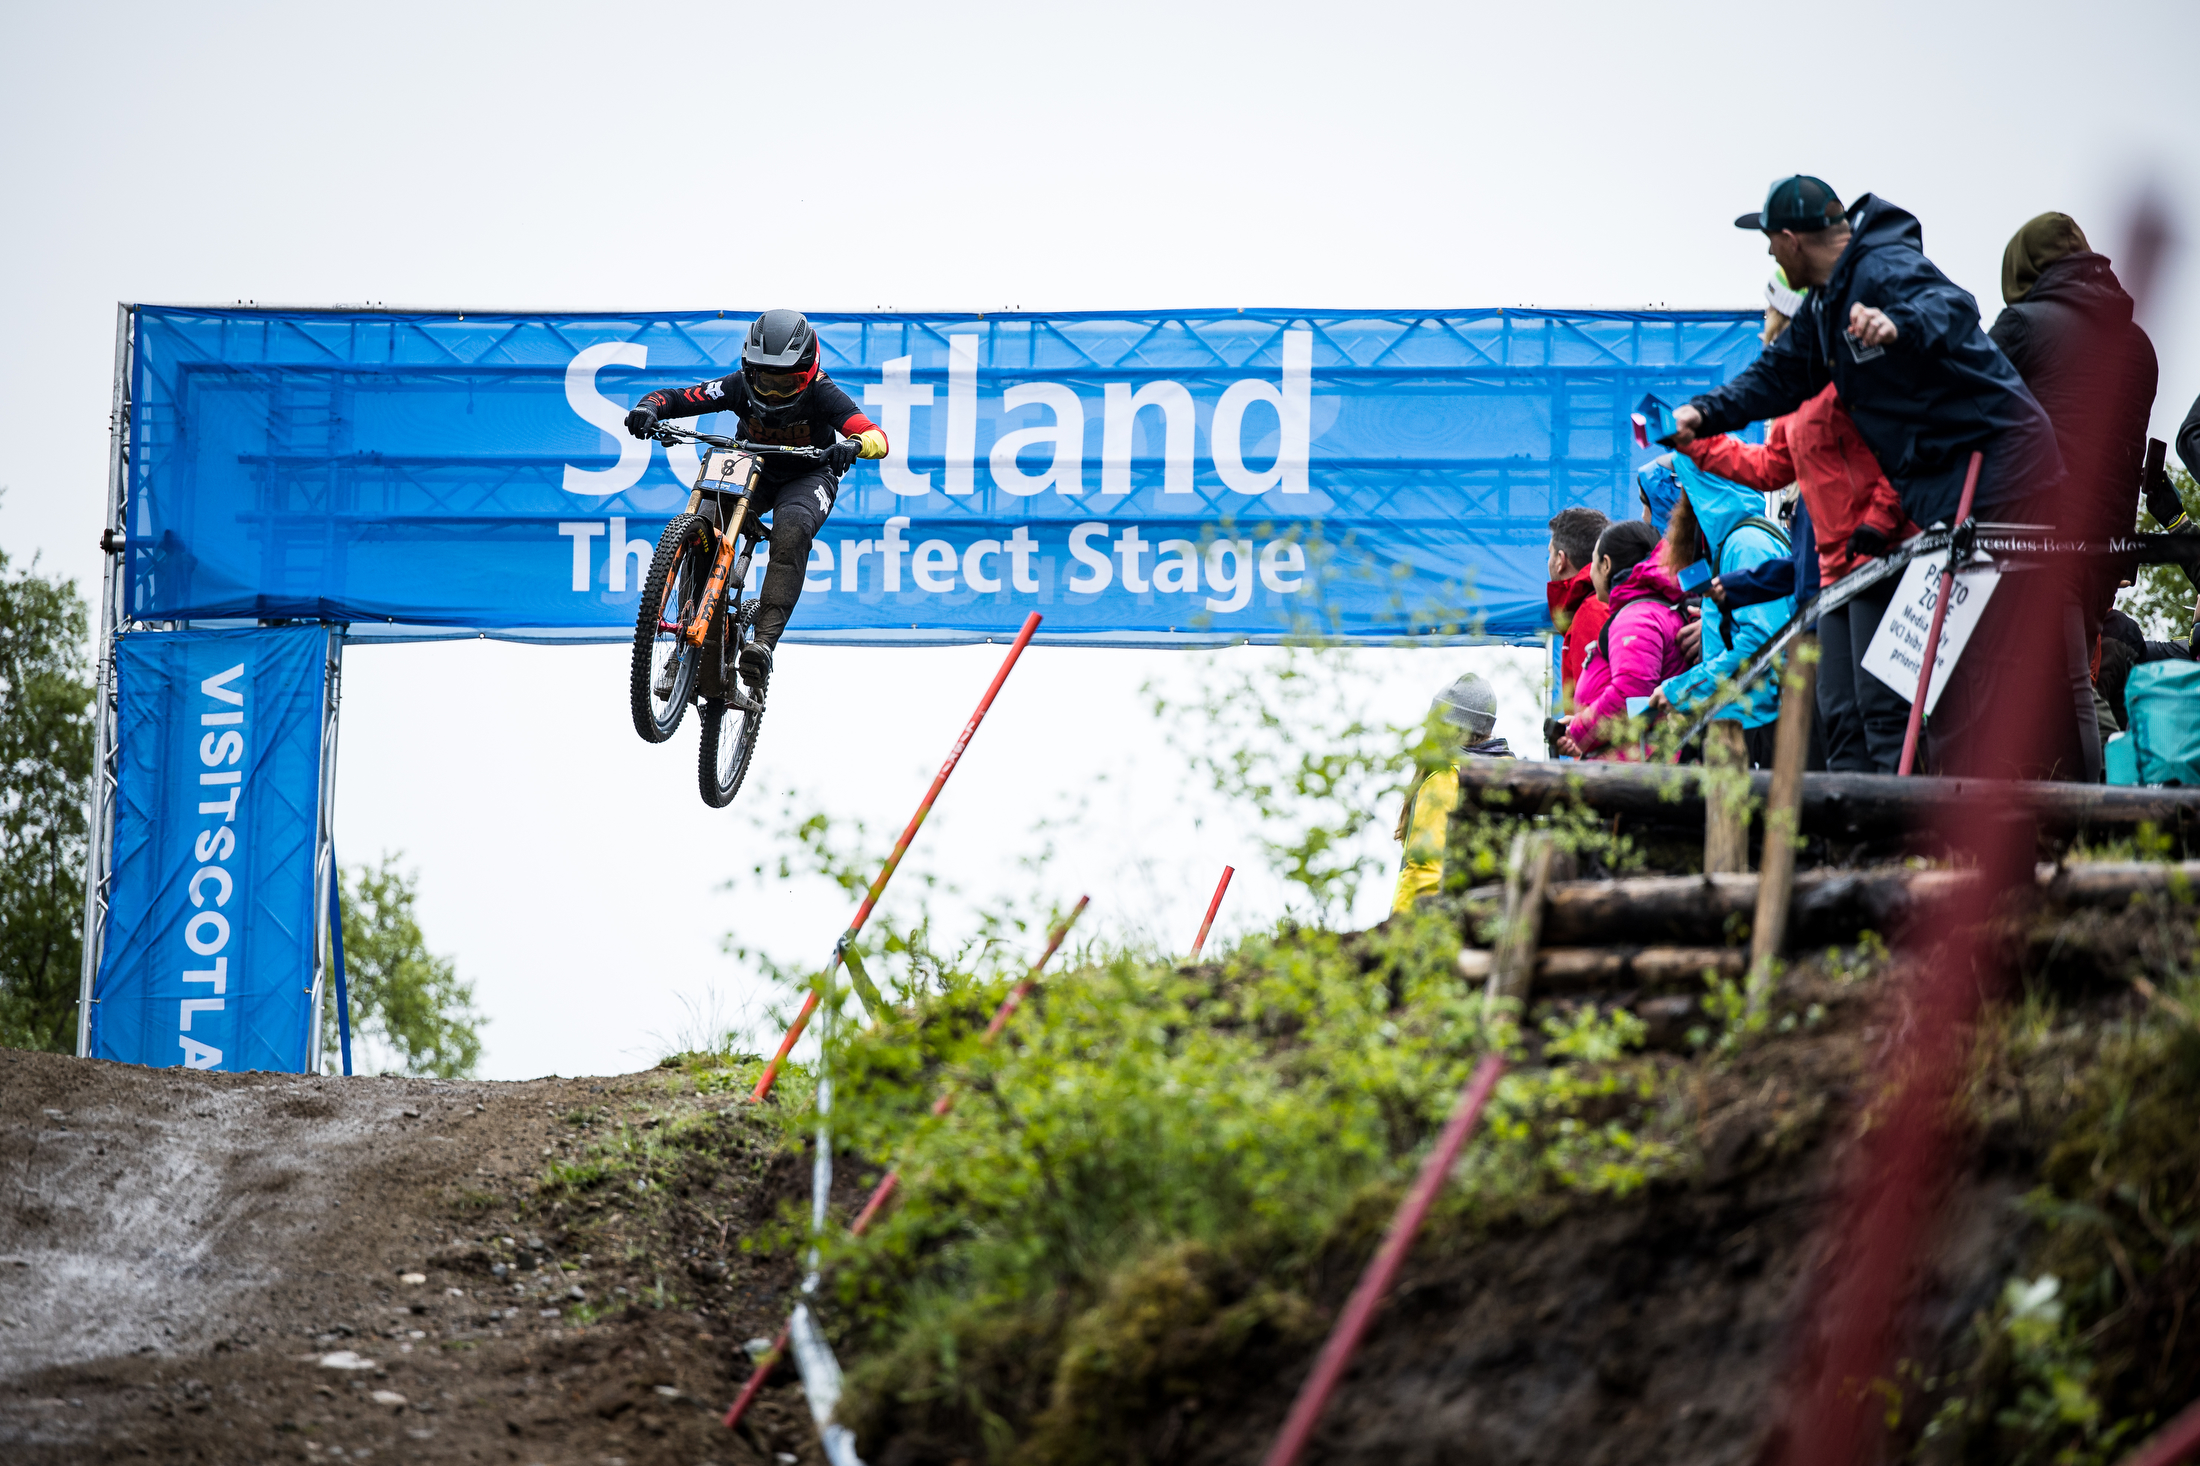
(1903, 346)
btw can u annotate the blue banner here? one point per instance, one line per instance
(1142, 478)
(208, 961)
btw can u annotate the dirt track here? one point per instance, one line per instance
(179, 1252)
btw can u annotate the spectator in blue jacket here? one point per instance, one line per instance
(1774, 578)
(1903, 346)
(1772, 581)
(1723, 523)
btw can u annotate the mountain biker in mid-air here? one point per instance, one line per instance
(780, 396)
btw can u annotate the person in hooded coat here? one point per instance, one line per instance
(1926, 388)
(1722, 522)
(2067, 328)
(1841, 487)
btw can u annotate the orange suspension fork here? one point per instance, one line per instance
(721, 569)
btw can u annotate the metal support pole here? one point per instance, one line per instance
(336, 950)
(324, 852)
(113, 615)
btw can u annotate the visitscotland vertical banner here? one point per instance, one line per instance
(1143, 478)
(209, 956)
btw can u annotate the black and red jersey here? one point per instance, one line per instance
(824, 414)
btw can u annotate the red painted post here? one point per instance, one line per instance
(1367, 1296)
(757, 1376)
(885, 1188)
(1897, 1169)
(1199, 942)
(1940, 614)
(901, 847)
(2174, 1442)
(946, 1101)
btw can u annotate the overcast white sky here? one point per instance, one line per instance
(972, 157)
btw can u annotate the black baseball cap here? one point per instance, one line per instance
(1801, 203)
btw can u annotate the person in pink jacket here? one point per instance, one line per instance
(1640, 644)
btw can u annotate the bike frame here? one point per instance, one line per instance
(728, 566)
(721, 569)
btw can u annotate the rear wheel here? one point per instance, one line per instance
(663, 673)
(729, 738)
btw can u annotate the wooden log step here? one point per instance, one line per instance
(1859, 806)
(1561, 971)
(1830, 905)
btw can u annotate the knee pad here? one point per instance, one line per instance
(782, 581)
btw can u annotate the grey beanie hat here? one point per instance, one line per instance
(1470, 705)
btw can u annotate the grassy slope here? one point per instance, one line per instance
(1130, 1233)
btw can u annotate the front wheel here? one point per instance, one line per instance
(663, 673)
(729, 738)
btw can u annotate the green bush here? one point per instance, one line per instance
(1143, 1174)
(45, 788)
(406, 1002)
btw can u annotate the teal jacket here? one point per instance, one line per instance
(1721, 506)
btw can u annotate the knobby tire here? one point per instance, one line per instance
(721, 777)
(678, 574)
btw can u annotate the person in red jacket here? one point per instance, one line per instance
(1856, 515)
(1576, 610)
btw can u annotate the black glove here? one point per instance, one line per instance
(2162, 500)
(843, 454)
(1553, 730)
(641, 422)
(1869, 542)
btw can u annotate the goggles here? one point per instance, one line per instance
(780, 386)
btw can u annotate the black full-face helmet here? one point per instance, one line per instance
(780, 360)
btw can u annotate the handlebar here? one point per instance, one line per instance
(666, 433)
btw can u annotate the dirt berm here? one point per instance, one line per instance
(185, 1258)
(246, 1268)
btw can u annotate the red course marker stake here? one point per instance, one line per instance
(871, 1208)
(1213, 906)
(1367, 1296)
(758, 1375)
(1940, 613)
(901, 847)
(1001, 1015)
(2174, 1442)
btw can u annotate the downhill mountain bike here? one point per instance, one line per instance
(696, 615)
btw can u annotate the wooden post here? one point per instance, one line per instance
(1726, 801)
(1527, 880)
(1783, 815)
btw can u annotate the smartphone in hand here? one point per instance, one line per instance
(1653, 421)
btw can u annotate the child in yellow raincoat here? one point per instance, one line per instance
(1467, 712)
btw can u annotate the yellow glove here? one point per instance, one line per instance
(872, 443)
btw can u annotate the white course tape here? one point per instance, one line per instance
(821, 1383)
(813, 1357)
